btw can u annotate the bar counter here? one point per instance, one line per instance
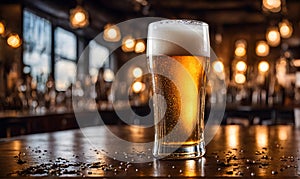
(260, 151)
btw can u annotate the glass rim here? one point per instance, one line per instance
(180, 21)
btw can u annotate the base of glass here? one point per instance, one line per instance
(184, 152)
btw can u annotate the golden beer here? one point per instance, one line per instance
(178, 59)
(195, 66)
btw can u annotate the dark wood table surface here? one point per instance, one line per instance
(260, 151)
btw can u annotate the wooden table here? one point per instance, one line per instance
(264, 151)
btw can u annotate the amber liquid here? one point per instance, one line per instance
(179, 115)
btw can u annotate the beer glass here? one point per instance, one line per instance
(178, 53)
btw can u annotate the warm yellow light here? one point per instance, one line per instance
(296, 62)
(240, 51)
(241, 66)
(261, 137)
(263, 66)
(262, 49)
(232, 139)
(140, 46)
(273, 37)
(14, 40)
(283, 134)
(218, 66)
(272, 5)
(240, 48)
(111, 33)
(285, 29)
(108, 75)
(137, 87)
(2, 28)
(241, 43)
(79, 17)
(128, 44)
(137, 72)
(240, 78)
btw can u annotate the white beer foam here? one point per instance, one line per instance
(178, 37)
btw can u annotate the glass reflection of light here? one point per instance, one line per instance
(202, 164)
(190, 168)
(140, 46)
(128, 44)
(261, 137)
(232, 139)
(137, 72)
(218, 66)
(138, 87)
(111, 33)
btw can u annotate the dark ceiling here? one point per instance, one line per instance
(215, 12)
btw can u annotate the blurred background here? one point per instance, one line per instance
(256, 44)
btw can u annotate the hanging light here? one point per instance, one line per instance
(140, 46)
(241, 66)
(272, 5)
(79, 17)
(296, 62)
(2, 28)
(14, 41)
(263, 66)
(285, 28)
(128, 44)
(240, 78)
(262, 48)
(111, 33)
(240, 48)
(273, 36)
(218, 66)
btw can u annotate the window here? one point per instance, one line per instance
(65, 47)
(37, 45)
(37, 54)
(98, 55)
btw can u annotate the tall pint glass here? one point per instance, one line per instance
(178, 53)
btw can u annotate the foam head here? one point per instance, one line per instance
(178, 37)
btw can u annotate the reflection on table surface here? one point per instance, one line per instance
(97, 151)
